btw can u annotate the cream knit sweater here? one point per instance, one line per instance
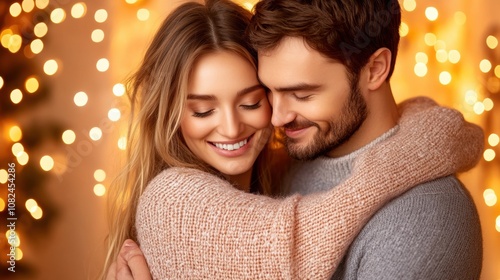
(192, 225)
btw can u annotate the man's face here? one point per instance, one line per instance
(313, 99)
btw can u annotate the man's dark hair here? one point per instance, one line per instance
(349, 31)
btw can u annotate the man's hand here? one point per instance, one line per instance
(130, 264)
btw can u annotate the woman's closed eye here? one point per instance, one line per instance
(251, 106)
(203, 114)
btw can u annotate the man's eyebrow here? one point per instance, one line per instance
(209, 97)
(298, 87)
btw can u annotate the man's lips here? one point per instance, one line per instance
(296, 132)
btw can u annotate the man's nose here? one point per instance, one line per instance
(281, 111)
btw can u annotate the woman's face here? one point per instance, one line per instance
(226, 122)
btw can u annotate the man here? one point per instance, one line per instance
(327, 65)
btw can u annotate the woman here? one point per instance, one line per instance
(201, 121)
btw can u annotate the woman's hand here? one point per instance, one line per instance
(130, 264)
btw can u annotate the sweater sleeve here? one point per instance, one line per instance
(430, 232)
(192, 225)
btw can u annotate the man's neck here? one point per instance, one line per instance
(382, 116)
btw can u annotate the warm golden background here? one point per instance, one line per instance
(62, 63)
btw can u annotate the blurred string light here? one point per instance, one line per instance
(491, 42)
(47, 163)
(122, 143)
(95, 133)
(40, 29)
(460, 18)
(102, 65)
(485, 66)
(28, 5)
(16, 96)
(119, 89)
(404, 29)
(41, 4)
(31, 84)
(81, 99)
(431, 13)
(99, 175)
(130, 1)
(15, 9)
(15, 133)
(57, 15)
(36, 46)
(489, 154)
(498, 224)
(490, 198)
(493, 140)
(143, 14)
(23, 158)
(409, 5)
(17, 149)
(1, 82)
(101, 15)
(78, 10)
(50, 67)
(97, 36)
(99, 189)
(114, 114)
(68, 137)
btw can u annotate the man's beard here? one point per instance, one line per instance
(353, 114)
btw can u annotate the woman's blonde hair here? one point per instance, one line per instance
(158, 92)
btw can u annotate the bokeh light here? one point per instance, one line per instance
(15, 9)
(431, 13)
(16, 96)
(119, 89)
(47, 163)
(491, 42)
(99, 175)
(99, 189)
(485, 66)
(489, 154)
(143, 14)
(114, 114)
(57, 15)
(40, 29)
(31, 84)
(79, 10)
(101, 15)
(81, 99)
(68, 137)
(490, 198)
(36, 46)
(102, 65)
(15, 133)
(95, 133)
(493, 139)
(97, 36)
(50, 67)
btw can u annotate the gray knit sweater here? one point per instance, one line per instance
(430, 232)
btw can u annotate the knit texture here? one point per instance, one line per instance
(192, 225)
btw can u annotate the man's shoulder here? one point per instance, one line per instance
(430, 232)
(438, 202)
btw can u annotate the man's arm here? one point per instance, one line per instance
(430, 232)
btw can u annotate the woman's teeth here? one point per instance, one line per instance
(231, 147)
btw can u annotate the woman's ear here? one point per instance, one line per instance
(379, 67)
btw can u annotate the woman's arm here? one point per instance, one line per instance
(192, 225)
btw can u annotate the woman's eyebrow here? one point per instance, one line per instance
(248, 90)
(202, 97)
